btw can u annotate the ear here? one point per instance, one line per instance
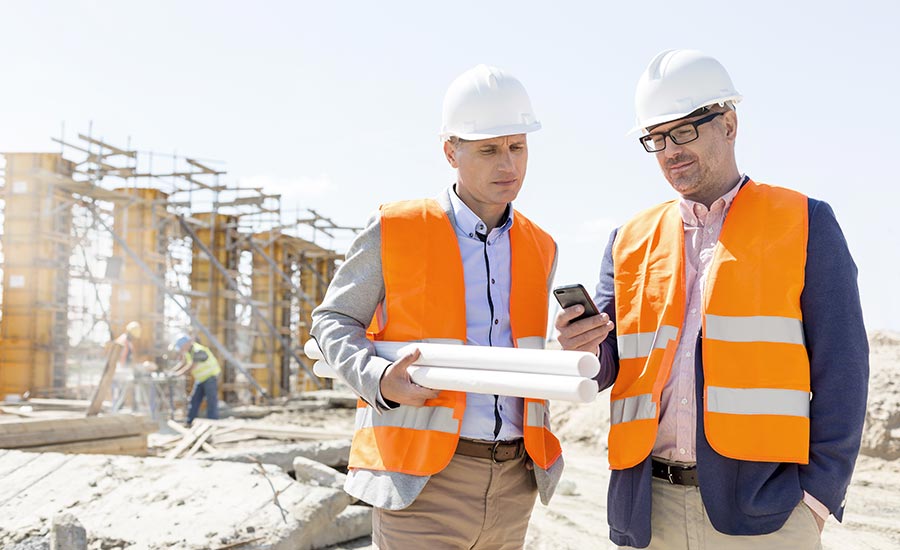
(731, 125)
(450, 153)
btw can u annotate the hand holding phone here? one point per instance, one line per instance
(586, 336)
(570, 295)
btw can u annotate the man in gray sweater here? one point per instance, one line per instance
(447, 469)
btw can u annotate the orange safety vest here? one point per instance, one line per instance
(755, 365)
(425, 302)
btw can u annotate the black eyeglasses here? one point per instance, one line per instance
(686, 133)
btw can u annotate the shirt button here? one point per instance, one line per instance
(687, 354)
(693, 310)
(710, 231)
(471, 234)
(682, 451)
(496, 321)
(684, 401)
(493, 281)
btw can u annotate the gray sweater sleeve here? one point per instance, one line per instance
(339, 323)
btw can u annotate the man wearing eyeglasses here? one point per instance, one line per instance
(732, 336)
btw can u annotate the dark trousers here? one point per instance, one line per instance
(208, 389)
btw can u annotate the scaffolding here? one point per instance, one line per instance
(97, 235)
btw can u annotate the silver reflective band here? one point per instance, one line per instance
(439, 419)
(758, 328)
(757, 401)
(639, 407)
(530, 342)
(535, 415)
(632, 346)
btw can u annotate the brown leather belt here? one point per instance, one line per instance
(676, 475)
(497, 451)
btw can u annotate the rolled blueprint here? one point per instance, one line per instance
(516, 384)
(526, 361)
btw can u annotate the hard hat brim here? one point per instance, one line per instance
(662, 119)
(490, 133)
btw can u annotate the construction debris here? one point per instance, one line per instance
(119, 434)
(154, 503)
(335, 454)
(67, 533)
(316, 473)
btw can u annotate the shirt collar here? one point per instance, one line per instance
(468, 223)
(695, 213)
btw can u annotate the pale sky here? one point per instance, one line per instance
(337, 105)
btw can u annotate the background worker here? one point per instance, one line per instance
(732, 336)
(449, 469)
(122, 386)
(126, 341)
(204, 368)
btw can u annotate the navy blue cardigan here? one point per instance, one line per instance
(753, 498)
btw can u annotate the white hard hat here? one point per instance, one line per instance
(134, 329)
(677, 83)
(485, 102)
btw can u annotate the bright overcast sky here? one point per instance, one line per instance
(336, 105)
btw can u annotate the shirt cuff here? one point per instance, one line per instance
(384, 404)
(820, 509)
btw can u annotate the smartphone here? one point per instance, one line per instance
(569, 295)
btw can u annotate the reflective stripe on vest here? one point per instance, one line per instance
(414, 418)
(633, 346)
(425, 301)
(758, 328)
(639, 407)
(755, 366)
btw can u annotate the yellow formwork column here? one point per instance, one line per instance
(217, 311)
(272, 296)
(135, 297)
(37, 244)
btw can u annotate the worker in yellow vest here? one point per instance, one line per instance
(732, 335)
(448, 469)
(204, 368)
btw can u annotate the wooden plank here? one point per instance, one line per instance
(233, 438)
(17, 411)
(112, 357)
(282, 432)
(189, 440)
(58, 404)
(200, 441)
(135, 445)
(33, 433)
(182, 430)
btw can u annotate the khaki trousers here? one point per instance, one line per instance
(680, 522)
(473, 504)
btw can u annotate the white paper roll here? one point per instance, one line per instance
(532, 361)
(516, 384)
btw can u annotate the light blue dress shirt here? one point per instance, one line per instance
(487, 273)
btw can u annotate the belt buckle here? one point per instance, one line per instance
(494, 448)
(669, 471)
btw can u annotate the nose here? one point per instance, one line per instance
(672, 149)
(505, 162)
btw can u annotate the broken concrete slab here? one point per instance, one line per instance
(354, 522)
(334, 453)
(154, 503)
(315, 473)
(67, 533)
